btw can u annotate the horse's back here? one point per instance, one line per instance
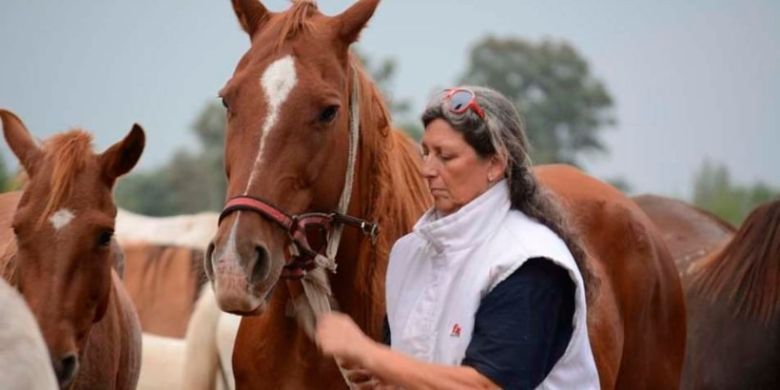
(112, 357)
(637, 316)
(689, 232)
(24, 359)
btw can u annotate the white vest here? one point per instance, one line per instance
(439, 273)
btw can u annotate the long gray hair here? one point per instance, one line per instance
(502, 133)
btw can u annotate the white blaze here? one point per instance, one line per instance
(61, 218)
(277, 81)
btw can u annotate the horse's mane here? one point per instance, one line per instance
(746, 273)
(67, 154)
(396, 195)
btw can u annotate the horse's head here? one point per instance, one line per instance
(64, 224)
(287, 138)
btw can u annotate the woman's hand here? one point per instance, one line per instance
(338, 336)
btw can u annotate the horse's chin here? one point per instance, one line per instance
(260, 309)
(243, 303)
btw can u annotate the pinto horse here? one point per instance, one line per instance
(164, 266)
(24, 360)
(59, 250)
(292, 105)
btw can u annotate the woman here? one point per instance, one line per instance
(488, 290)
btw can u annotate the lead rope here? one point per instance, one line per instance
(316, 284)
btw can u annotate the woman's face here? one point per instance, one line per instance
(454, 172)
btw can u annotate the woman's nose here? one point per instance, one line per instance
(428, 170)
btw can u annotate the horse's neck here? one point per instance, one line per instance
(389, 190)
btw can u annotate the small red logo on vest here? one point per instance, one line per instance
(455, 331)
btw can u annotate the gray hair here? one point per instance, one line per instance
(502, 133)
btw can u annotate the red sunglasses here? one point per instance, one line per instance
(461, 99)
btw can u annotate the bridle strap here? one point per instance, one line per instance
(248, 203)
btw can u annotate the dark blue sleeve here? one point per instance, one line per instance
(523, 326)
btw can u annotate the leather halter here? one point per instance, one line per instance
(299, 228)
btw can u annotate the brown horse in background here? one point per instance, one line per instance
(636, 312)
(732, 293)
(288, 106)
(690, 232)
(58, 251)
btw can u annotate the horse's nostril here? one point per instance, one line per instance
(208, 261)
(66, 369)
(262, 265)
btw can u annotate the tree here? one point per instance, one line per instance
(383, 73)
(714, 191)
(5, 178)
(190, 182)
(564, 106)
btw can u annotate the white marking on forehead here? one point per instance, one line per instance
(61, 218)
(277, 81)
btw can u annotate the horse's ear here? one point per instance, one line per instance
(352, 21)
(121, 157)
(251, 14)
(20, 141)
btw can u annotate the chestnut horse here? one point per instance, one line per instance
(59, 253)
(289, 105)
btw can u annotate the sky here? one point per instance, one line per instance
(691, 80)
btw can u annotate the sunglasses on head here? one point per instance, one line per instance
(461, 99)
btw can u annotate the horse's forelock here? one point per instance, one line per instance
(297, 19)
(68, 154)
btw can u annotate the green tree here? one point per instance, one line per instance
(713, 190)
(5, 178)
(564, 106)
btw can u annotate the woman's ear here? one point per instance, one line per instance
(497, 167)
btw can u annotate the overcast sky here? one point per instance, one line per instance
(691, 80)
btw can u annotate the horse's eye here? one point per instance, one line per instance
(224, 103)
(328, 114)
(104, 238)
